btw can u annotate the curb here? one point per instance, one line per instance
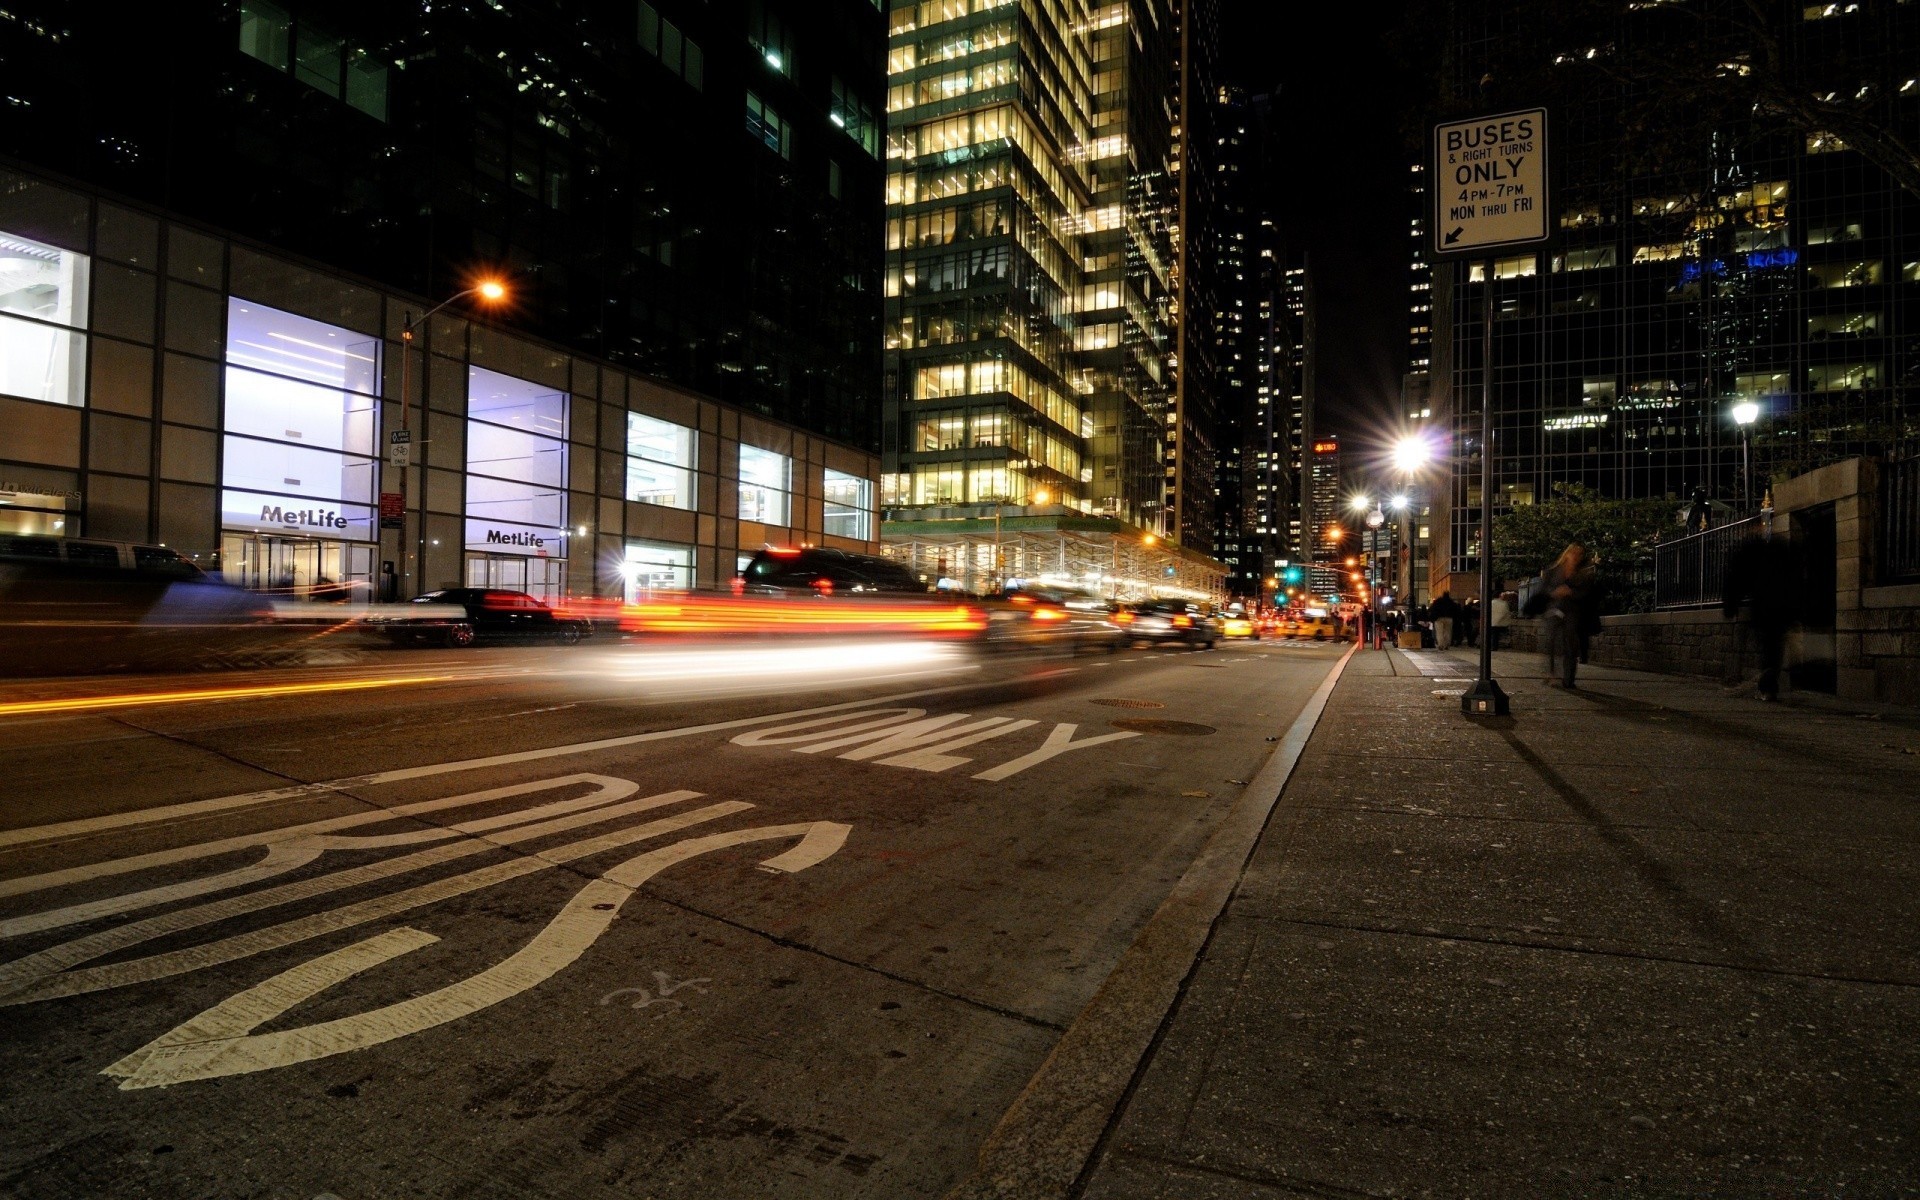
(1047, 1137)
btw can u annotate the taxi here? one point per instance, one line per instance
(1235, 623)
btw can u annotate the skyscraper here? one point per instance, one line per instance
(689, 190)
(1324, 519)
(1715, 255)
(1033, 256)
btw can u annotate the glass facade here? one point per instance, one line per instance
(848, 505)
(43, 309)
(1734, 261)
(651, 567)
(766, 480)
(1031, 206)
(297, 469)
(516, 467)
(659, 462)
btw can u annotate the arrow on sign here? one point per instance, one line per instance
(1455, 235)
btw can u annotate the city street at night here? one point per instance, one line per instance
(472, 961)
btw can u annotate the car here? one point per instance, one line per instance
(74, 604)
(824, 571)
(1051, 620)
(1320, 629)
(1181, 622)
(462, 616)
(1236, 623)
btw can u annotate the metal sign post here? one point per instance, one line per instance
(1489, 186)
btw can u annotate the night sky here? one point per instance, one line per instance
(1341, 175)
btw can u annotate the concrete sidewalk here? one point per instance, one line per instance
(1643, 938)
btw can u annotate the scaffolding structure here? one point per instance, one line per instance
(978, 555)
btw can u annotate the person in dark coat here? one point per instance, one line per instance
(1445, 612)
(1761, 584)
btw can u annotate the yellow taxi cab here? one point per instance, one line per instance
(1235, 623)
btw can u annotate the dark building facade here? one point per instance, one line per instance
(1716, 266)
(690, 190)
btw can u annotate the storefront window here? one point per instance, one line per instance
(301, 410)
(659, 462)
(764, 482)
(30, 511)
(516, 466)
(849, 506)
(656, 567)
(43, 308)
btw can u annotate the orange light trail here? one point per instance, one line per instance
(87, 703)
(694, 615)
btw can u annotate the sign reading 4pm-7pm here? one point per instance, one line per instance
(1490, 182)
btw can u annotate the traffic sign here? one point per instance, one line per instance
(400, 448)
(393, 510)
(1489, 182)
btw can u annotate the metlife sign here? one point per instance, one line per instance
(1490, 182)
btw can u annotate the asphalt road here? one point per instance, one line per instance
(581, 921)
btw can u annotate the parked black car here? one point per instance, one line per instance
(490, 614)
(825, 571)
(1177, 621)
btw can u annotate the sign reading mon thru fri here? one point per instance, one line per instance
(1490, 182)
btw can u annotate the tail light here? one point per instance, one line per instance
(1183, 622)
(1049, 614)
(739, 586)
(823, 585)
(1125, 618)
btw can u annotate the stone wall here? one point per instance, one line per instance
(1693, 642)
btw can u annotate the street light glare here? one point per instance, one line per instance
(1360, 503)
(1040, 496)
(1411, 453)
(491, 289)
(1746, 413)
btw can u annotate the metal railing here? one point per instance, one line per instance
(1900, 521)
(1689, 572)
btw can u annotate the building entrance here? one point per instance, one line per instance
(542, 578)
(298, 568)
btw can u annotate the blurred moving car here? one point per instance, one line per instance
(1051, 620)
(1176, 621)
(1236, 623)
(71, 604)
(824, 571)
(462, 616)
(1320, 629)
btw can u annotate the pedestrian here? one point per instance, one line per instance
(1444, 610)
(1760, 583)
(1470, 623)
(1499, 617)
(1570, 583)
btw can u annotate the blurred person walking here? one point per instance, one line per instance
(1571, 584)
(1444, 610)
(1761, 587)
(1499, 617)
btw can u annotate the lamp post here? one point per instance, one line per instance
(490, 290)
(1745, 414)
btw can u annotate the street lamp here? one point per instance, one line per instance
(490, 290)
(1745, 413)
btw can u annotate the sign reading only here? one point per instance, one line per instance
(1490, 182)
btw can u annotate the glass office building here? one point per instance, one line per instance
(691, 191)
(1727, 263)
(169, 383)
(1031, 200)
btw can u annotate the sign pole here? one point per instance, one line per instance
(1484, 698)
(1489, 187)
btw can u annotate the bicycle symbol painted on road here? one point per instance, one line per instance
(222, 1040)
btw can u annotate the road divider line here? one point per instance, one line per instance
(1047, 1138)
(22, 708)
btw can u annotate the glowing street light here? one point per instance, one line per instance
(1411, 453)
(1745, 413)
(1360, 504)
(493, 292)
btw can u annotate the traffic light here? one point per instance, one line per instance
(1296, 575)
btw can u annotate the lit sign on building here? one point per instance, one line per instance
(1326, 447)
(1758, 260)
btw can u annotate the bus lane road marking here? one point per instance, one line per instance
(908, 737)
(223, 1040)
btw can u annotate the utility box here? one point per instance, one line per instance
(1410, 639)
